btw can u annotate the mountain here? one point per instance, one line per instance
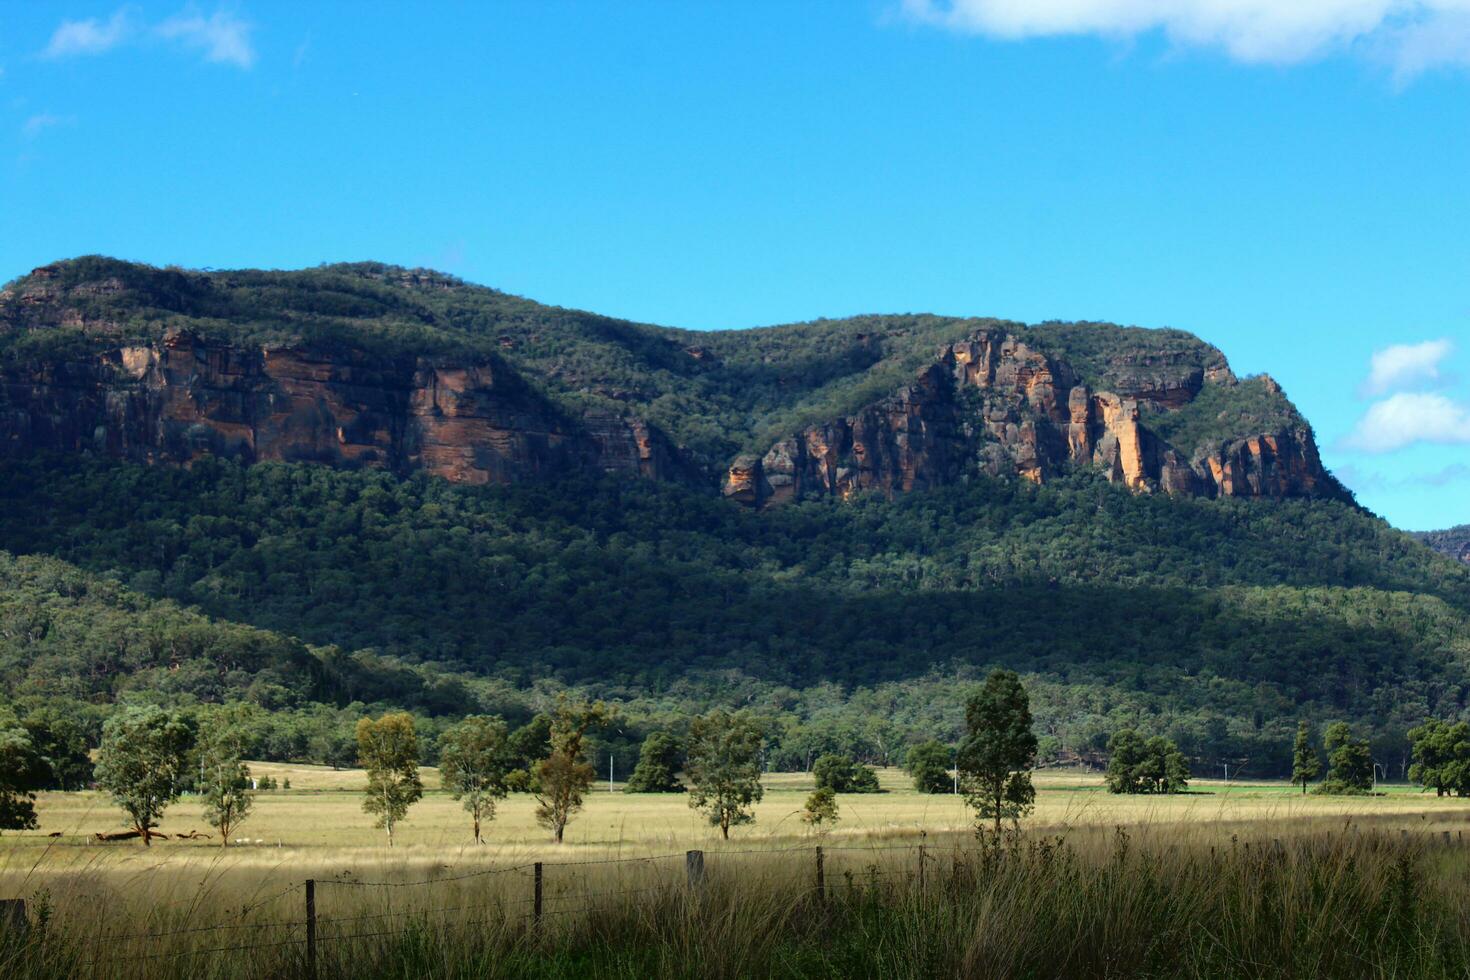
(840, 524)
(1454, 542)
(372, 366)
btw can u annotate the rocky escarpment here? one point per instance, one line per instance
(466, 421)
(998, 405)
(1454, 542)
(413, 371)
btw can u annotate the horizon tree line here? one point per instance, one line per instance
(149, 756)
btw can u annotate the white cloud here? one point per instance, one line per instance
(1443, 41)
(38, 123)
(1371, 481)
(1454, 473)
(1412, 35)
(1405, 365)
(1409, 417)
(222, 37)
(90, 36)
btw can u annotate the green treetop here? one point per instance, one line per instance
(999, 750)
(1305, 763)
(142, 761)
(389, 750)
(724, 767)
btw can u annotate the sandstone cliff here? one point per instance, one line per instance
(468, 422)
(996, 404)
(413, 371)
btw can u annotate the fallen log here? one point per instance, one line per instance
(128, 835)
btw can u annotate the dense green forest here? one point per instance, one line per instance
(1222, 620)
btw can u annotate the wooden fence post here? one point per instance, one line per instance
(921, 869)
(694, 868)
(536, 908)
(311, 928)
(821, 876)
(13, 921)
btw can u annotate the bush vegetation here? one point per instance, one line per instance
(852, 628)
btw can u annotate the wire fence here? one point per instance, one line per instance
(545, 889)
(557, 889)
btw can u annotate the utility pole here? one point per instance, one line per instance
(609, 770)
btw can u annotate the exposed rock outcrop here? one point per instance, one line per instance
(185, 398)
(1282, 464)
(311, 366)
(996, 405)
(1454, 542)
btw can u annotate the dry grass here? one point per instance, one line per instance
(323, 810)
(1212, 853)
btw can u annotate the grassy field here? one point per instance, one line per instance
(323, 809)
(615, 896)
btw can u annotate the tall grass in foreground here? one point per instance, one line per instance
(1091, 903)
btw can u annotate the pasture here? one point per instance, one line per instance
(323, 811)
(901, 870)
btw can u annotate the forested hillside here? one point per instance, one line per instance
(1161, 548)
(1245, 612)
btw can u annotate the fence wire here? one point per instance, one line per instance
(831, 876)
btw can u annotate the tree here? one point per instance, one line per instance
(724, 767)
(389, 750)
(928, 764)
(1441, 757)
(474, 758)
(141, 762)
(334, 745)
(1165, 770)
(1349, 762)
(63, 734)
(224, 776)
(841, 774)
(1126, 752)
(1136, 765)
(22, 772)
(658, 766)
(997, 754)
(820, 809)
(529, 744)
(562, 778)
(1305, 764)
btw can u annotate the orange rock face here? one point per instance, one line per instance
(991, 404)
(468, 423)
(898, 444)
(995, 404)
(1285, 464)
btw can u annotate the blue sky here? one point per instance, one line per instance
(1289, 181)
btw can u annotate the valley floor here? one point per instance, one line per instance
(901, 871)
(323, 810)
